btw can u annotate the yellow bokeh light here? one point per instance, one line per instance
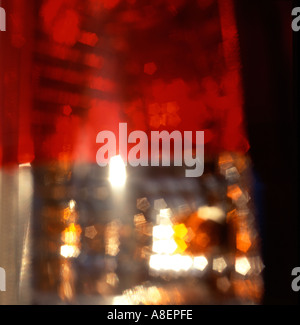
(180, 230)
(71, 235)
(181, 245)
(71, 239)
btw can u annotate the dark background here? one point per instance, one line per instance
(269, 55)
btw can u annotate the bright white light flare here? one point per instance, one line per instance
(117, 172)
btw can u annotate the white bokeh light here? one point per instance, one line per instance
(117, 172)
